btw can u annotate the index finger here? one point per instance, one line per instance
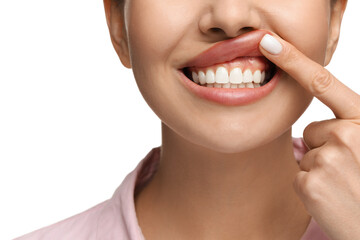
(344, 102)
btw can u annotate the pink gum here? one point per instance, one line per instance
(252, 63)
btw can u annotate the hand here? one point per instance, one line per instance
(329, 181)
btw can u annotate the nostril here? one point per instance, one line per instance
(247, 29)
(220, 31)
(216, 30)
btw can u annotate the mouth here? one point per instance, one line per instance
(232, 72)
(241, 72)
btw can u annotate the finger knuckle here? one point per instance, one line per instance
(309, 129)
(310, 187)
(321, 81)
(324, 158)
(343, 134)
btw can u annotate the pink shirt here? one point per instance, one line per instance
(115, 218)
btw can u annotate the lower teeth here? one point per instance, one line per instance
(230, 85)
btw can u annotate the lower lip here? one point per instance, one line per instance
(232, 96)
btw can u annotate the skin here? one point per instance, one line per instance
(329, 180)
(237, 182)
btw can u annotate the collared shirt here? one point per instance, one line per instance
(115, 218)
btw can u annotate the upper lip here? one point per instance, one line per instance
(246, 44)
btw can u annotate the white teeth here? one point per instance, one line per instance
(202, 77)
(226, 85)
(257, 76)
(249, 85)
(262, 76)
(236, 79)
(230, 85)
(210, 76)
(195, 77)
(222, 75)
(248, 77)
(236, 76)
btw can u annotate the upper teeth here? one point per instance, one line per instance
(222, 76)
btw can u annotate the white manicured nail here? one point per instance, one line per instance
(270, 44)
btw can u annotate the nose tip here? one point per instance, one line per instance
(229, 17)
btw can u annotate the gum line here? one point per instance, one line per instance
(252, 63)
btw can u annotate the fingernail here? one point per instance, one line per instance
(270, 44)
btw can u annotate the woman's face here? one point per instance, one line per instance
(162, 36)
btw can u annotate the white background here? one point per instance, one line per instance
(72, 121)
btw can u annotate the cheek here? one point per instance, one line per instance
(155, 28)
(305, 24)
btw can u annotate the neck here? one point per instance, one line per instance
(225, 195)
